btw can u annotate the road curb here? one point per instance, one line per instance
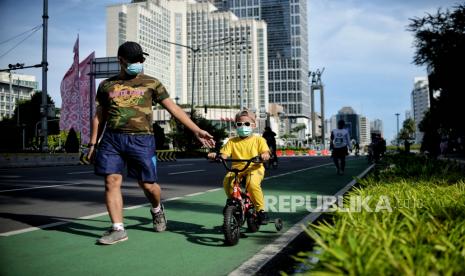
(259, 260)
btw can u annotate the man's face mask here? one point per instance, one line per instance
(134, 68)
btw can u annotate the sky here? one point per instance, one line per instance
(364, 47)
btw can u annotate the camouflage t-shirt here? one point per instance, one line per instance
(127, 104)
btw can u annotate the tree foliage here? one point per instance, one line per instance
(184, 140)
(298, 128)
(440, 45)
(160, 137)
(29, 116)
(72, 142)
(407, 133)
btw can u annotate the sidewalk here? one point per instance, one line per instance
(192, 245)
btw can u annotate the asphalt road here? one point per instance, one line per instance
(45, 195)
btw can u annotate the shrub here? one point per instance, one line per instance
(424, 233)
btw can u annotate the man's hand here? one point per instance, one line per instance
(91, 154)
(205, 138)
(265, 156)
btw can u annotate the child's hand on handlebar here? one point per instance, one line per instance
(212, 155)
(265, 156)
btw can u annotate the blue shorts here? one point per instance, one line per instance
(137, 151)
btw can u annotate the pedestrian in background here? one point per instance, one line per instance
(269, 136)
(340, 144)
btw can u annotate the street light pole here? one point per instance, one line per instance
(241, 84)
(194, 53)
(44, 108)
(397, 137)
(194, 57)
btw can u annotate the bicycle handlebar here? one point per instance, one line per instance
(256, 159)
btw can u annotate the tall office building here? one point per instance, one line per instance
(408, 114)
(147, 23)
(365, 138)
(231, 67)
(352, 121)
(14, 88)
(224, 67)
(287, 49)
(376, 126)
(420, 104)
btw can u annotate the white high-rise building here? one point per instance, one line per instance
(14, 88)
(420, 104)
(365, 138)
(213, 35)
(376, 126)
(225, 70)
(150, 23)
(287, 50)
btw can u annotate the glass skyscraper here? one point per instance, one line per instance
(287, 49)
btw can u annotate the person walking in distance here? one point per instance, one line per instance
(124, 106)
(340, 143)
(269, 136)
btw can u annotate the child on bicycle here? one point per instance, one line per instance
(246, 146)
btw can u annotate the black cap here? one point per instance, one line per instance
(131, 51)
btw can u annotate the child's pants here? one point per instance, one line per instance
(253, 186)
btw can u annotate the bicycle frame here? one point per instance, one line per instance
(242, 198)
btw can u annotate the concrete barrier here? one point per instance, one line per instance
(287, 153)
(16, 160)
(166, 155)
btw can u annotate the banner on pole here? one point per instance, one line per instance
(87, 96)
(70, 96)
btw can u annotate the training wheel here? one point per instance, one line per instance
(278, 223)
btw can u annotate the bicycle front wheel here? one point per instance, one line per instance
(231, 225)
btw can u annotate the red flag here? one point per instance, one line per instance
(87, 96)
(70, 98)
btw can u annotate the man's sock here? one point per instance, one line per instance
(156, 209)
(118, 226)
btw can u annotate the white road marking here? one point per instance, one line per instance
(196, 194)
(171, 199)
(185, 172)
(301, 170)
(40, 187)
(136, 206)
(30, 229)
(83, 172)
(180, 165)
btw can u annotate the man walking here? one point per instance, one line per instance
(124, 107)
(340, 143)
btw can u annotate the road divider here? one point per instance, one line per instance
(17, 160)
(166, 155)
(288, 152)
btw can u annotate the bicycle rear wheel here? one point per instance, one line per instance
(231, 225)
(252, 221)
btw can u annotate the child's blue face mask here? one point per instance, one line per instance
(244, 131)
(134, 68)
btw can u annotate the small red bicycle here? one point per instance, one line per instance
(239, 208)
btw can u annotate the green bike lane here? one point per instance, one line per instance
(193, 243)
